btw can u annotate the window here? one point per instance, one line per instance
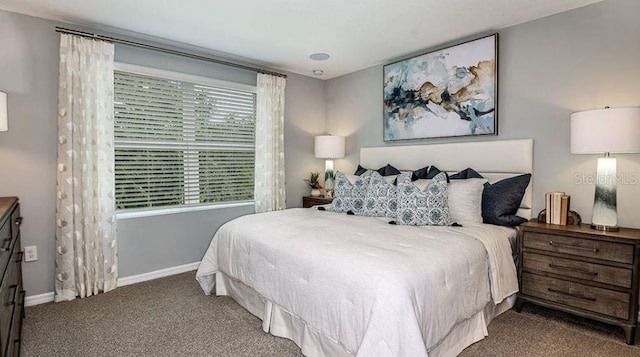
(181, 140)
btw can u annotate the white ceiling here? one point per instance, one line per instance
(283, 33)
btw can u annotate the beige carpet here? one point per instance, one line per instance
(171, 317)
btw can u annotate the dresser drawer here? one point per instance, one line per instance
(16, 221)
(616, 252)
(603, 301)
(593, 272)
(11, 289)
(13, 347)
(9, 293)
(5, 245)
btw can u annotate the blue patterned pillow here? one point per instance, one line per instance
(382, 198)
(423, 208)
(350, 196)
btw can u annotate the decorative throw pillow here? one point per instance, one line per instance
(420, 174)
(465, 200)
(350, 196)
(382, 197)
(426, 173)
(421, 208)
(387, 170)
(465, 174)
(391, 179)
(422, 184)
(360, 170)
(500, 201)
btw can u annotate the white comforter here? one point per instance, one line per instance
(377, 289)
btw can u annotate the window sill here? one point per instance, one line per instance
(174, 210)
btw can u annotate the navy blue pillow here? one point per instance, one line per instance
(426, 173)
(388, 171)
(420, 173)
(465, 174)
(384, 171)
(500, 201)
(360, 170)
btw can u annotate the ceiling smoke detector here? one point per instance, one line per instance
(318, 72)
(319, 56)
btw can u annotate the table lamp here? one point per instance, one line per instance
(605, 131)
(4, 121)
(329, 147)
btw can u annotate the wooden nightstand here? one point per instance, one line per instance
(582, 271)
(310, 201)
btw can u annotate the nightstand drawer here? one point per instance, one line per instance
(617, 252)
(310, 201)
(593, 272)
(603, 301)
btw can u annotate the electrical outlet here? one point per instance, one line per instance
(30, 253)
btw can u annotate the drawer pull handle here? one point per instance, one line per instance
(20, 257)
(13, 295)
(22, 293)
(18, 221)
(577, 270)
(5, 245)
(577, 296)
(560, 245)
(17, 344)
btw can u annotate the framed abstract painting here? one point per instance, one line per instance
(444, 93)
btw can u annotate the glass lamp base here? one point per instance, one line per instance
(605, 213)
(603, 228)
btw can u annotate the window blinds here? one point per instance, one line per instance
(181, 143)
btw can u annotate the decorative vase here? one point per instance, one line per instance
(315, 192)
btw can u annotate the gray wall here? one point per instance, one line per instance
(582, 59)
(29, 74)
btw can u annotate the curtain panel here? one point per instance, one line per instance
(86, 250)
(269, 193)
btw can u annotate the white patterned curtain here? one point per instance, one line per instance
(269, 186)
(86, 255)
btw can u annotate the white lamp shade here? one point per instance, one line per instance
(613, 130)
(4, 121)
(329, 147)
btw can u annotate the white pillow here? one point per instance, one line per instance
(390, 179)
(465, 200)
(352, 178)
(422, 184)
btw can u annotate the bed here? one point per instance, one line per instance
(341, 285)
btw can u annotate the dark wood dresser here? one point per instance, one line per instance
(11, 288)
(582, 271)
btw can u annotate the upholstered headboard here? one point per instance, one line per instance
(495, 160)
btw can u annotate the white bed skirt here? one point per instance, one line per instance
(282, 323)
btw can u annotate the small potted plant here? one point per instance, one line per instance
(315, 185)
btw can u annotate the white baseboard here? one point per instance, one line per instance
(38, 299)
(127, 280)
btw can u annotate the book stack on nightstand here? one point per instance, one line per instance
(310, 201)
(582, 271)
